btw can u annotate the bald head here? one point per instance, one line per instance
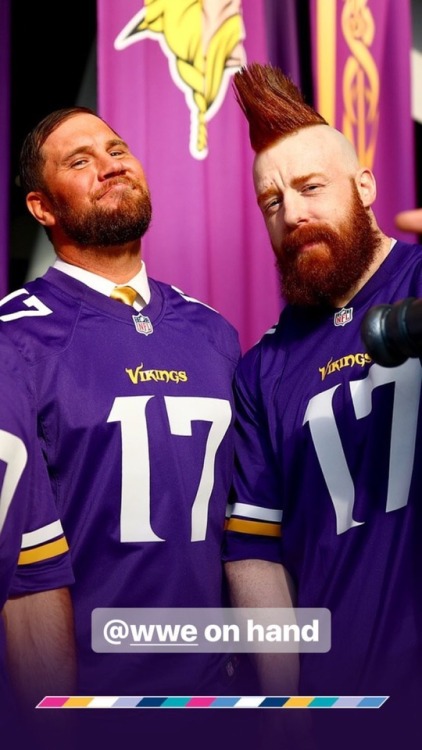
(333, 141)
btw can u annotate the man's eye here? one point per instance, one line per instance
(310, 188)
(79, 162)
(273, 203)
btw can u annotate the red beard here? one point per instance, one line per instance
(329, 271)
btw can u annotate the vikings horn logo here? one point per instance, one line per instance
(202, 40)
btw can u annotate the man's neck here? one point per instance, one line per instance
(119, 264)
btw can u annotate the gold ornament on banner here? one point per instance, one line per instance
(361, 86)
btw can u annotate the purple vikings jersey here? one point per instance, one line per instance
(135, 419)
(31, 536)
(329, 483)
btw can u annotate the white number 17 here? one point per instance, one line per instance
(15, 456)
(328, 447)
(135, 520)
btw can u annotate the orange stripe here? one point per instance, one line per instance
(253, 527)
(76, 701)
(44, 552)
(326, 59)
(299, 701)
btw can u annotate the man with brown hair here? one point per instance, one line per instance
(134, 409)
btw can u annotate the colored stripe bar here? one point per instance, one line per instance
(219, 701)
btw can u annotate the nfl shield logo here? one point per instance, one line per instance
(343, 316)
(142, 324)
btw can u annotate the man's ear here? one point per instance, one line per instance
(366, 186)
(38, 205)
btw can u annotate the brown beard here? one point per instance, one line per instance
(319, 276)
(108, 227)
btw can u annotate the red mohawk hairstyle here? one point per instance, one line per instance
(273, 106)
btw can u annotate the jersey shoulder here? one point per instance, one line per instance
(200, 320)
(404, 269)
(268, 346)
(40, 317)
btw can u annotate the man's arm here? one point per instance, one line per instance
(409, 221)
(260, 583)
(40, 645)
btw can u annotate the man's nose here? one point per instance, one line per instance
(295, 211)
(109, 166)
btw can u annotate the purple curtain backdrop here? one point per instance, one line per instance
(288, 33)
(362, 81)
(207, 235)
(4, 144)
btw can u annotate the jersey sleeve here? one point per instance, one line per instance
(31, 532)
(253, 523)
(44, 559)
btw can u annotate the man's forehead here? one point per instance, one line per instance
(78, 127)
(319, 148)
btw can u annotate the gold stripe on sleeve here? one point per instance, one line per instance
(253, 527)
(44, 552)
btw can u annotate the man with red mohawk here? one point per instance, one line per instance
(327, 509)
